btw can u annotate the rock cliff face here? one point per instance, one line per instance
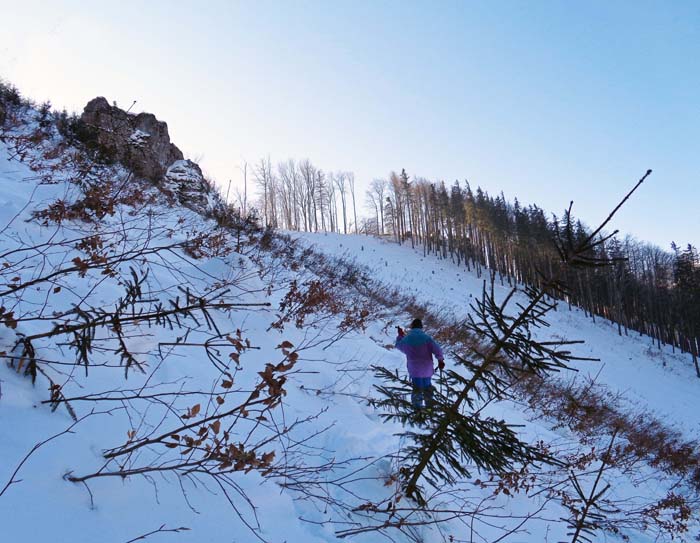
(140, 142)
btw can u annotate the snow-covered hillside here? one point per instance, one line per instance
(113, 467)
(40, 503)
(631, 366)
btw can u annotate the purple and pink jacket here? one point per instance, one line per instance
(419, 349)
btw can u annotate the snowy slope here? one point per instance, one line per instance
(346, 454)
(40, 448)
(659, 380)
(42, 505)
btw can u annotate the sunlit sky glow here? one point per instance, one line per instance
(546, 101)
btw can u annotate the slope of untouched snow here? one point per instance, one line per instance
(630, 366)
(42, 505)
(347, 455)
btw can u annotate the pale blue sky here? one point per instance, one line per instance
(547, 101)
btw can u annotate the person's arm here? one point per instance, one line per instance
(437, 351)
(400, 334)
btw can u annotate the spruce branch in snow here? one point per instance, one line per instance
(452, 434)
(130, 310)
(458, 434)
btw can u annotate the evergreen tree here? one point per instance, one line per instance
(448, 437)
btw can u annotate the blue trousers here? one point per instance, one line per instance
(422, 395)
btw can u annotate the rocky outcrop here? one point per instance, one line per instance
(184, 180)
(140, 142)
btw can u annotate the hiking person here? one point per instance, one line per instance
(419, 349)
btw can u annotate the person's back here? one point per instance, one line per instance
(419, 349)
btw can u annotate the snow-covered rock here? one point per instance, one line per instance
(139, 138)
(140, 142)
(184, 180)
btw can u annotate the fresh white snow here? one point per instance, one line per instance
(333, 378)
(659, 380)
